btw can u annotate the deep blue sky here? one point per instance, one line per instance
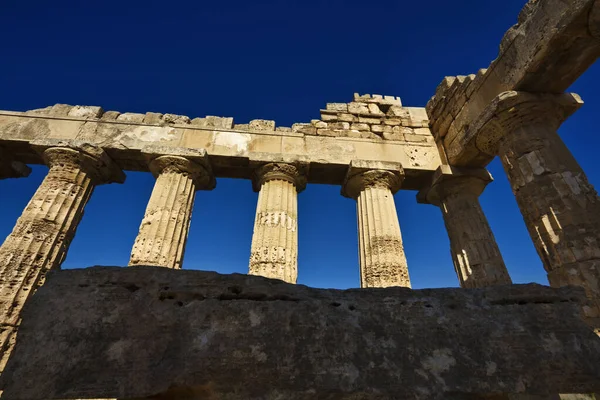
(280, 60)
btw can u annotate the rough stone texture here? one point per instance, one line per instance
(60, 110)
(124, 135)
(214, 122)
(131, 117)
(86, 112)
(41, 236)
(243, 337)
(163, 232)
(475, 253)
(560, 207)
(110, 115)
(175, 119)
(381, 252)
(153, 118)
(274, 251)
(553, 43)
(262, 125)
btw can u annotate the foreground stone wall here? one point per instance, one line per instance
(142, 331)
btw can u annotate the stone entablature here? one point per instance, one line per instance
(552, 44)
(368, 116)
(233, 149)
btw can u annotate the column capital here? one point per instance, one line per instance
(448, 181)
(9, 168)
(193, 162)
(511, 110)
(362, 174)
(83, 155)
(293, 173)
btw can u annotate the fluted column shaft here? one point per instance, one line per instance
(475, 253)
(381, 252)
(164, 229)
(41, 236)
(274, 251)
(560, 207)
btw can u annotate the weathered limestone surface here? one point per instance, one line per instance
(274, 251)
(475, 253)
(41, 236)
(381, 252)
(560, 207)
(400, 134)
(244, 337)
(554, 42)
(164, 229)
(9, 168)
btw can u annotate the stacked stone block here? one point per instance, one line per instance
(370, 117)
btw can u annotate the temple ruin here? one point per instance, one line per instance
(370, 147)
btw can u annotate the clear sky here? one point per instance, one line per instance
(280, 60)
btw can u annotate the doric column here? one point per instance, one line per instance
(10, 168)
(560, 207)
(41, 236)
(164, 229)
(274, 252)
(475, 253)
(381, 252)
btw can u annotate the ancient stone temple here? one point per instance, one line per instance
(153, 331)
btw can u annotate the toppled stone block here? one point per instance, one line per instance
(347, 117)
(306, 129)
(174, 119)
(317, 123)
(211, 121)
(148, 331)
(360, 127)
(329, 116)
(283, 129)
(338, 125)
(369, 120)
(393, 121)
(131, 117)
(86, 112)
(379, 129)
(361, 135)
(358, 108)
(153, 118)
(403, 130)
(396, 111)
(374, 109)
(61, 110)
(342, 107)
(329, 132)
(110, 115)
(262, 125)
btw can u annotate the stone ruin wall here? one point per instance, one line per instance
(345, 132)
(366, 117)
